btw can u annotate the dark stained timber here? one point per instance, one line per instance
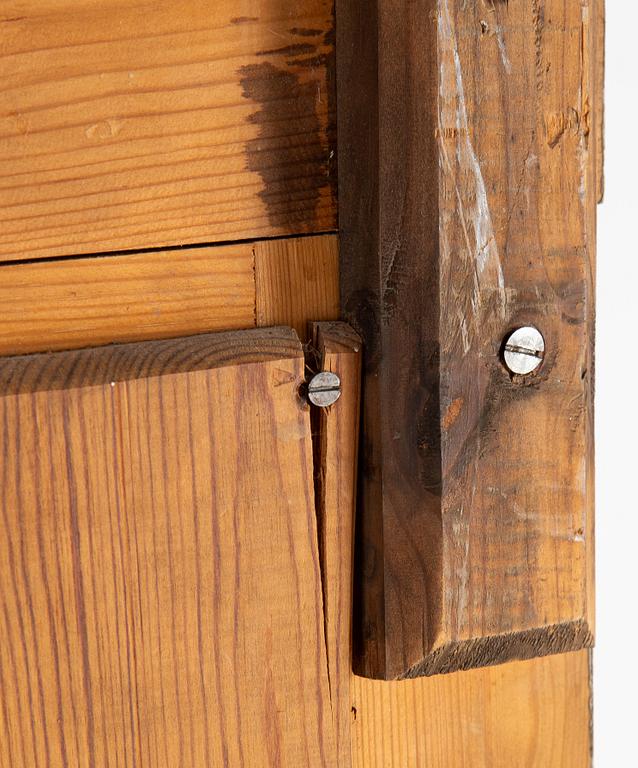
(468, 155)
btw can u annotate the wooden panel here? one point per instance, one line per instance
(80, 302)
(54, 305)
(467, 198)
(336, 442)
(524, 714)
(125, 124)
(297, 280)
(159, 569)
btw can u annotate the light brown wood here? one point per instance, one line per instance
(160, 588)
(62, 304)
(126, 125)
(297, 280)
(467, 193)
(82, 302)
(517, 715)
(336, 442)
(529, 714)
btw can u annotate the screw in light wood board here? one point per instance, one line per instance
(324, 389)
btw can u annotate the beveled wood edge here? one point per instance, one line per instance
(94, 366)
(493, 650)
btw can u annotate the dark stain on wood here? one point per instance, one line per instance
(294, 152)
(294, 49)
(447, 242)
(305, 32)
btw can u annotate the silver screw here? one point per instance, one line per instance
(324, 389)
(524, 350)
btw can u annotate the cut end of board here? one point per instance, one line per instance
(500, 649)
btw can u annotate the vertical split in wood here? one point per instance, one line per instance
(335, 436)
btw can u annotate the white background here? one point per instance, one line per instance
(616, 657)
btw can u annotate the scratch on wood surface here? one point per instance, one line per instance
(557, 124)
(472, 202)
(457, 569)
(500, 39)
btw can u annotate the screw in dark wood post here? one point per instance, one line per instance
(524, 351)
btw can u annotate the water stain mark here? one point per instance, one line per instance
(305, 32)
(295, 149)
(294, 49)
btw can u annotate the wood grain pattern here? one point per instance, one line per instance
(467, 198)
(63, 304)
(335, 431)
(54, 305)
(524, 714)
(126, 125)
(530, 714)
(517, 715)
(296, 281)
(160, 589)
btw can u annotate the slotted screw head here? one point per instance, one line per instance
(324, 389)
(524, 350)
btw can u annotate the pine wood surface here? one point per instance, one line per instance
(297, 280)
(61, 304)
(335, 431)
(125, 125)
(159, 573)
(467, 195)
(525, 714)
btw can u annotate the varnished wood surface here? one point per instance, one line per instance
(61, 304)
(55, 305)
(160, 588)
(97, 366)
(129, 125)
(467, 195)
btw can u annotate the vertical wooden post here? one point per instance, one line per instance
(467, 196)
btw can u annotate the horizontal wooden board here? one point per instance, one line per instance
(160, 587)
(127, 125)
(80, 302)
(62, 304)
